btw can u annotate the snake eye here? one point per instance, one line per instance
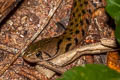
(39, 55)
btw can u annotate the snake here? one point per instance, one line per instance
(75, 32)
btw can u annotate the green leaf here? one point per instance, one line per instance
(113, 8)
(91, 72)
(117, 33)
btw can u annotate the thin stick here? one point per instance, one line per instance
(58, 70)
(6, 7)
(45, 23)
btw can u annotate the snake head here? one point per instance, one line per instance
(32, 57)
(40, 50)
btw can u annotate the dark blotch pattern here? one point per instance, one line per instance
(69, 38)
(87, 21)
(76, 41)
(89, 11)
(81, 22)
(83, 32)
(81, 5)
(58, 44)
(77, 32)
(77, 10)
(74, 4)
(79, 15)
(67, 47)
(86, 2)
(83, 11)
(71, 30)
(76, 25)
(71, 24)
(73, 14)
(76, 19)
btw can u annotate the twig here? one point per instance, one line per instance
(6, 7)
(45, 64)
(45, 23)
